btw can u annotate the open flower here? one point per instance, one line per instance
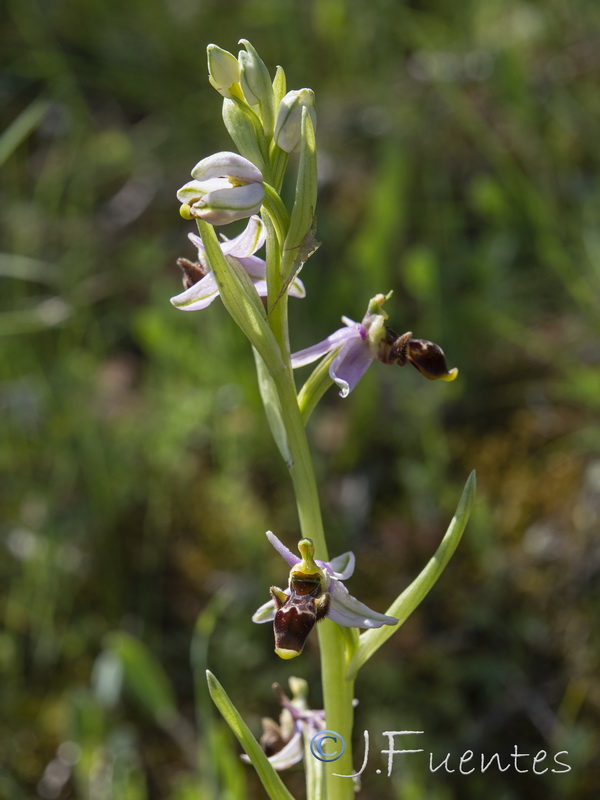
(199, 281)
(315, 591)
(283, 741)
(359, 343)
(226, 187)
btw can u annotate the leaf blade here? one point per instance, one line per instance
(270, 779)
(412, 596)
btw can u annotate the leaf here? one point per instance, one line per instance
(270, 779)
(411, 597)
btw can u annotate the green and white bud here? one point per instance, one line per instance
(256, 85)
(224, 71)
(288, 127)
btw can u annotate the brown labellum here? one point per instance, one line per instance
(425, 356)
(393, 348)
(192, 271)
(296, 614)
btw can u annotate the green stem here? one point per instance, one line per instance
(276, 302)
(278, 212)
(278, 159)
(338, 690)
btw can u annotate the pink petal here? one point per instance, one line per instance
(248, 242)
(350, 364)
(310, 354)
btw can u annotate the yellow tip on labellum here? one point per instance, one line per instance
(185, 211)
(286, 654)
(450, 375)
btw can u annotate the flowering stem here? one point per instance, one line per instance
(338, 691)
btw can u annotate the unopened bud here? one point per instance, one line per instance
(256, 84)
(288, 127)
(223, 71)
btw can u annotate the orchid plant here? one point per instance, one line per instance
(267, 123)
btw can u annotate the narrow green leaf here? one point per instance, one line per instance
(270, 398)
(270, 779)
(241, 300)
(410, 598)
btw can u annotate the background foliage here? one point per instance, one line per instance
(458, 157)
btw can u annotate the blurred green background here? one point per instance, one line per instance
(459, 154)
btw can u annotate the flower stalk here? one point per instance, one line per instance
(338, 690)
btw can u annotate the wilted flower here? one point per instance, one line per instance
(288, 126)
(283, 741)
(315, 591)
(359, 343)
(199, 281)
(226, 187)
